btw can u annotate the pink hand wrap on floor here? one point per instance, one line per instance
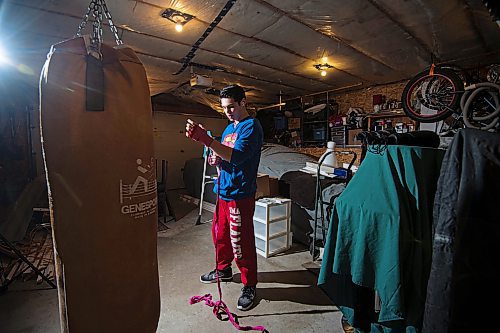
(219, 308)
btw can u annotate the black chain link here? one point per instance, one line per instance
(97, 8)
(97, 26)
(85, 19)
(112, 26)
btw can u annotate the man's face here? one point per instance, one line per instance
(232, 109)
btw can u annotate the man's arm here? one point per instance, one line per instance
(224, 152)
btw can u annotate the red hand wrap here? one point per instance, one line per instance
(199, 134)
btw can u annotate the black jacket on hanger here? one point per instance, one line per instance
(464, 283)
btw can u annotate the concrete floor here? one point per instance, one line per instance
(287, 298)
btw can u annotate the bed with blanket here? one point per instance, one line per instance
(283, 163)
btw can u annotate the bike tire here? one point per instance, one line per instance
(449, 103)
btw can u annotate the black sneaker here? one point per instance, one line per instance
(247, 296)
(226, 275)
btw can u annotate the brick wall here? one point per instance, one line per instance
(363, 97)
(341, 158)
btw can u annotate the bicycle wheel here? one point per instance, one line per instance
(430, 98)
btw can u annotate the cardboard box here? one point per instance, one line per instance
(267, 186)
(351, 137)
(263, 188)
(273, 187)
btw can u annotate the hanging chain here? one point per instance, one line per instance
(85, 19)
(97, 8)
(97, 25)
(112, 26)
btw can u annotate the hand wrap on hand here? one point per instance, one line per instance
(214, 160)
(200, 134)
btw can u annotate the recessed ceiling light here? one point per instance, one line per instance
(323, 68)
(177, 17)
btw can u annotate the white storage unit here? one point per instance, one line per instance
(271, 222)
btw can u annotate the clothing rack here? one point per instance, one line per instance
(341, 174)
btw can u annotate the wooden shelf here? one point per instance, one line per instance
(388, 114)
(314, 140)
(396, 113)
(323, 122)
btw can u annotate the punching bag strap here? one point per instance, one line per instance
(94, 74)
(94, 85)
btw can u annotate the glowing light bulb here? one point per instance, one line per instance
(178, 27)
(323, 73)
(325, 60)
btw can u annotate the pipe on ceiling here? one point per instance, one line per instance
(327, 91)
(187, 59)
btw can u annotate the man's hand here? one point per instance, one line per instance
(214, 159)
(198, 133)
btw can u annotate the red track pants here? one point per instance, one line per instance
(233, 236)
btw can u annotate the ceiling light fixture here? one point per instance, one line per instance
(177, 17)
(323, 68)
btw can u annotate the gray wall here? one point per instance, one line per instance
(172, 145)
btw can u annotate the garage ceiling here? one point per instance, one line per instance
(268, 46)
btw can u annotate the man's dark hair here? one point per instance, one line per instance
(233, 91)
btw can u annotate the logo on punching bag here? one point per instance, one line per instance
(138, 199)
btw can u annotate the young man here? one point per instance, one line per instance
(237, 158)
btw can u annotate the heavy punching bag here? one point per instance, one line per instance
(96, 125)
